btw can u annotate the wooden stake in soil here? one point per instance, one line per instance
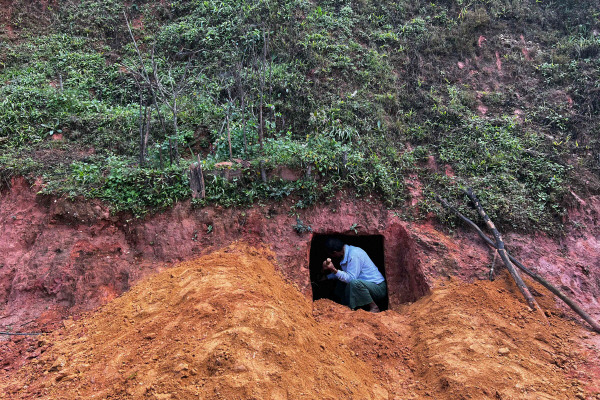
(197, 180)
(574, 306)
(493, 265)
(500, 248)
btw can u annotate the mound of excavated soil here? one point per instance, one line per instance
(470, 341)
(480, 340)
(227, 326)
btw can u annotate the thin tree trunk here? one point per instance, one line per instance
(263, 171)
(203, 192)
(154, 96)
(229, 131)
(271, 80)
(261, 132)
(262, 94)
(240, 86)
(145, 75)
(244, 124)
(148, 115)
(160, 156)
(142, 125)
(344, 168)
(242, 104)
(175, 129)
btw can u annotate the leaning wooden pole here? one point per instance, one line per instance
(574, 306)
(502, 252)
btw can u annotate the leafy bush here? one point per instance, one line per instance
(495, 159)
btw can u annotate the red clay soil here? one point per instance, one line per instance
(61, 258)
(225, 326)
(15, 15)
(228, 326)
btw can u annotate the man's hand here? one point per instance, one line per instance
(328, 267)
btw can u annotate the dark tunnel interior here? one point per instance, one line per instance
(371, 244)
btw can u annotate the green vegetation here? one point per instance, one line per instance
(353, 95)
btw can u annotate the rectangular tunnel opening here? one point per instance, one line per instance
(373, 245)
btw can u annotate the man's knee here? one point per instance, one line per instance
(357, 284)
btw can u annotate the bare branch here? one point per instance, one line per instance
(574, 306)
(500, 248)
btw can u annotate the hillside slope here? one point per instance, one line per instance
(114, 100)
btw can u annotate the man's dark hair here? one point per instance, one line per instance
(333, 244)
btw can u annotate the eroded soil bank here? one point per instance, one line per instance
(62, 258)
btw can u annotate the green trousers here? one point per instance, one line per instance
(359, 293)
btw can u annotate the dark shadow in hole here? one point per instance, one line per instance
(371, 244)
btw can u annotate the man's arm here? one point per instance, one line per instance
(352, 270)
(329, 269)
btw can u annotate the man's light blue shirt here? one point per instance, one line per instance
(356, 264)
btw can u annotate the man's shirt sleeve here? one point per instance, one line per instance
(352, 270)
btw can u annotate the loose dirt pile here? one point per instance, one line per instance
(227, 326)
(480, 341)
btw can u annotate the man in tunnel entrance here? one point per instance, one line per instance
(359, 281)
